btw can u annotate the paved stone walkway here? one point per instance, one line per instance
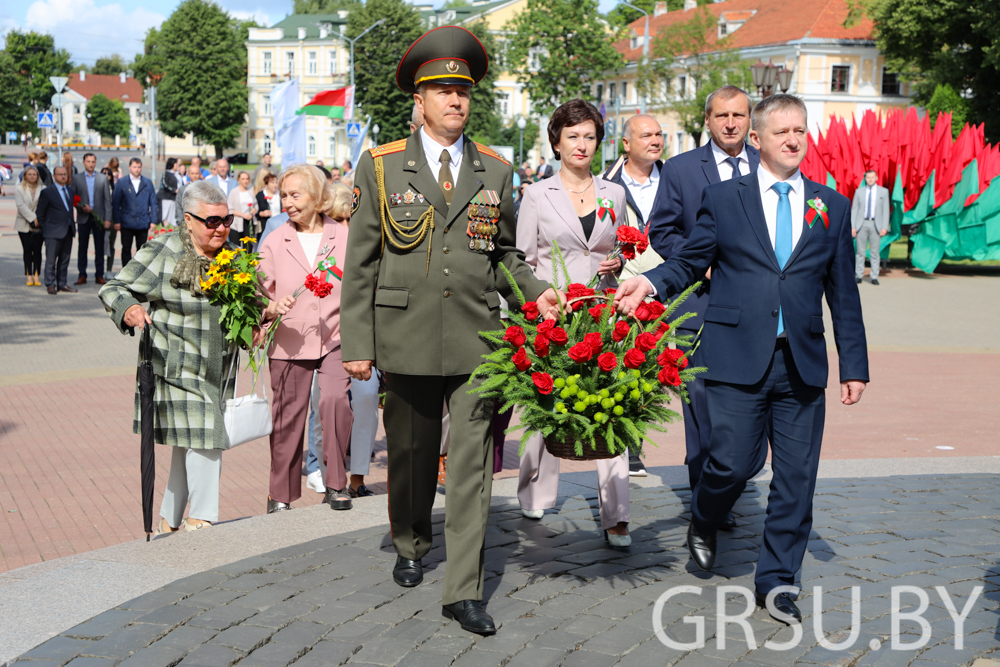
(562, 598)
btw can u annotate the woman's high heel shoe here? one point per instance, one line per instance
(619, 542)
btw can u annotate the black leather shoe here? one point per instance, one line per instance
(729, 522)
(360, 492)
(784, 604)
(408, 573)
(471, 616)
(875, 281)
(274, 506)
(338, 499)
(701, 548)
(857, 280)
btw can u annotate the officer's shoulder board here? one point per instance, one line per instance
(387, 149)
(486, 150)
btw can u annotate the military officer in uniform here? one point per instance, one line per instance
(433, 219)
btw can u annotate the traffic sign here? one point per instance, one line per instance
(353, 130)
(12, 136)
(59, 100)
(45, 119)
(58, 82)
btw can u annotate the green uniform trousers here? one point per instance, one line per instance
(413, 439)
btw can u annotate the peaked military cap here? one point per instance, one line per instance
(447, 55)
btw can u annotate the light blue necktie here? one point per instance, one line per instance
(782, 235)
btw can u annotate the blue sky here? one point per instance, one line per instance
(90, 29)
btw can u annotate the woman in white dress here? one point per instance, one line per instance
(243, 205)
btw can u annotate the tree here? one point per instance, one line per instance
(113, 64)
(510, 136)
(945, 42)
(13, 98)
(36, 59)
(622, 16)
(946, 100)
(324, 6)
(556, 46)
(148, 66)
(108, 117)
(203, 59)
(484, 121)
(377, 56)
(682, 53)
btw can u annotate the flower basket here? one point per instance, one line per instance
(592, 384)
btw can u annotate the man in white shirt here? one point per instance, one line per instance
(222, 177)
(869, 223)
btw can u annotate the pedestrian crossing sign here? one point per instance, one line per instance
(45, 119)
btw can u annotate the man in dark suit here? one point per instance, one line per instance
(544, 170)
(94, 215)
(776, 242)
(55, 216)
(134, 208)
(682, 181)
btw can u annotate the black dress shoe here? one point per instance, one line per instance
(471, 616)
(275, 506)
(784, 604)
(729, 522)
(360, 492)
(407, 573)
(338, 499)
(701, 548)
(52, 290)
(875, 281)
(857, 280)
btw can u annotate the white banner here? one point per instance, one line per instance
(349, 104)
(289, 128)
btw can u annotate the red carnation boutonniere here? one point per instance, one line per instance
(606, 209)
(817, 209)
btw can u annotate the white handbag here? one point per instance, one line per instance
(247, 417)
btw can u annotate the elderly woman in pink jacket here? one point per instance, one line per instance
(308, 335)
(563, 209)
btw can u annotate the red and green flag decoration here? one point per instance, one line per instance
(337, 103)
(329, 267)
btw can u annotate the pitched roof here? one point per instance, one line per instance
(109, 85)
(775, 22)
(310, 22)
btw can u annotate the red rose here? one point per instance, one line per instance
(610, 291)
(596, 311)
(543, 382)
(581, 353)
(674, 358)
(642, 312)
(621, 331)
(649, 311)
(662, 329)
(577, 290)
(558, 336)
(542, 345)
(521, 361)
(594, 341)
(607, 362)
(546, 326)
(515, 336)
(645, 341)
(76, 200)
(669, 375)
(530, 310)
(634, 358)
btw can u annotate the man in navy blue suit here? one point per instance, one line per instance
(56, 219)
(776, 243)
(684, 178)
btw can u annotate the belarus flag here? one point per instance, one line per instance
(332, 104)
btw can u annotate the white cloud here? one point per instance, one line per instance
(258, 15)
(88, 31)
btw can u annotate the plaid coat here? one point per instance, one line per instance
(190, 355)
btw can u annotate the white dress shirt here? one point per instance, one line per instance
(725, 171)
(135, 182)
(432, 151)
(644, 194)
(769, 200)
(223, 184)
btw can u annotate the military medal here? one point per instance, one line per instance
(409, 197)
(396, 198)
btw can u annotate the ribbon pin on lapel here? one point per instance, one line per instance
(329, 268)
(605, 208)
(817, 209)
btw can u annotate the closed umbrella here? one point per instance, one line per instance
(147, 454)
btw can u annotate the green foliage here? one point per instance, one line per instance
(13, 91)
(510, 136)
(148, 65)
(484, 121)
(377, 57)
(203, 57)
(555, 48)
(683, 49)
(622, 16)
(945, 100)
(35, 59)
(938, 42)
(113, 64)
(108, 117)
(324, 6)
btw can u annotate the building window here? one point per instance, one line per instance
(840, 78)
(331, 145)
(890, 82)
(289, 62)
(267, 144)
(612, 91)
(333, 61)
(679, 143)
(503, 103)
(311, 145)
(313, 65)
(723, 29)
(76, 108)
(268, 67)
(600, 93)
(682, 82)
(266, 105)
(76, 127)
(625, 92)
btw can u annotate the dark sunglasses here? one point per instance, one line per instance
(213, 221)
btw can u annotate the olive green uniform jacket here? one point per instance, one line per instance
(419, 314)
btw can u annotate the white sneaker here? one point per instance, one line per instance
(314, 481)
(533, 514)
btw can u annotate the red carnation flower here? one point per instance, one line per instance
(76, 200)
(530, 310)
(594, 341)
(607, 362)
(322, 289)
(515, 336)
(669, 375)
(581, 353)
(621, 331)
(543, 382)
(542, 345)
(634, 358)
(558, 336)
(521, 361)
(645, 341)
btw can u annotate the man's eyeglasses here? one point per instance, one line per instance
(213, 221)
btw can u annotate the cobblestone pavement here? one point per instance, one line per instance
(562, 598)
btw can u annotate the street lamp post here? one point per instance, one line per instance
(521, 124)
(24, 135)
(375, 130)
(767, 74)
(645, 49)
(352, 41)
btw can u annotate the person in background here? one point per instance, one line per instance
(196, 166)
(212, 169)
(134, 209)
(264, 166)
(55, 217)
(32, 161)
(43, 169)
(243, 205)
(544, 170)
(166, 274)
(347, 169)
(520, 197)
(113, 172)
(93, 217)
(335, 174)
(307, 338)
(67, 161)
(268, 200)
(222, 177)
(319, 163)
(869, 223)
(167, 195)
(326, 173)
(182, 176)
(195, 177)
(26, 195)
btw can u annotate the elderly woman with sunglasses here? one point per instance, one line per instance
(190, 357)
